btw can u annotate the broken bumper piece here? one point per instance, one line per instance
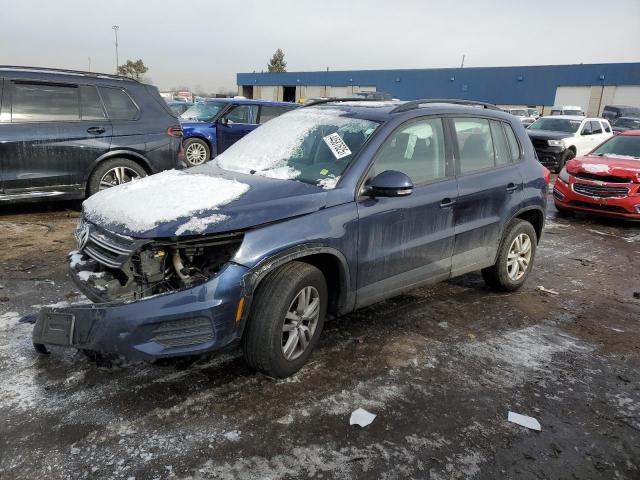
(186, 322)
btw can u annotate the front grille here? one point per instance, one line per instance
(109, 249)
(602, 178)
(539, 143)
(182, 333)
(597, 206)
(600, 191)
(558, 194)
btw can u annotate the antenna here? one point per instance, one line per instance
(462, 64)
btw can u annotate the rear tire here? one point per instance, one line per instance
(515, 258)
(271, 326)
(196, 151)
(114, 171)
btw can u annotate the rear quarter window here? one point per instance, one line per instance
(118, 103)
(514, 146)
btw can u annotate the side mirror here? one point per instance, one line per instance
(223, 121)
(390, 183)
(587, 132)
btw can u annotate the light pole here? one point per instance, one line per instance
(115, 29)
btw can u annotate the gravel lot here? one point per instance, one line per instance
(440, 366)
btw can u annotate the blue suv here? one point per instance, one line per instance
(324, 210)
(212, 126)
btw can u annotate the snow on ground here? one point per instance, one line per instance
(144, 204)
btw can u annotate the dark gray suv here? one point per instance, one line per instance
(67, 134)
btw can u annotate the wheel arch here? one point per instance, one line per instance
(129, 155)
(535, 216)
(330, 261)
(202, 137)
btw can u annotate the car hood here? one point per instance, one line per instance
(548, 134)
(625, 168)
(255, 200)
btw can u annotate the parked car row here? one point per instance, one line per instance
(67, 134)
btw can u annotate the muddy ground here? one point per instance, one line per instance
(440, 366)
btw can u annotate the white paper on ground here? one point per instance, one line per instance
(361, 417)
(524, 421)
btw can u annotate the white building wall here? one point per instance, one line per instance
(627, 95)
(573, 96)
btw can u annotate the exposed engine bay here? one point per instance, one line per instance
(112, 267)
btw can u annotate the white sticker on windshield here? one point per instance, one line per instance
(337, 145)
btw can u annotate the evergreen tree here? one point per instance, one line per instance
(277, 63)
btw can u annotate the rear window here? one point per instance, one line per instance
(118, 104)
(91, 104)
(269, 112)
(44, 103)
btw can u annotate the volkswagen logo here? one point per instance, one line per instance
(82, 235)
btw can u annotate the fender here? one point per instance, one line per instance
(118, 153)
(518, 213)
(346, 298)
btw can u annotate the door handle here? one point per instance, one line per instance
(96, 130)
(512, 187)
(447, 202)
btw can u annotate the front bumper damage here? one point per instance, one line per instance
(152, 299)
(191, 321)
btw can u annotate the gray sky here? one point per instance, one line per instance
(205, 43)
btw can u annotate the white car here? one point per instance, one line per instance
(567, 110)
(560, 138)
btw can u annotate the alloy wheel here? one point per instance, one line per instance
(300, 323)
(117, 176)
(196, 154)
(519, 256)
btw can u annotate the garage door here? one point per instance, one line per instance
(573, 96)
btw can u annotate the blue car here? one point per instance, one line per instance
(210, 127)
(178, 108)
(324, 210)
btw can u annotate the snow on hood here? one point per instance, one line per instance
(144, 204)
(265, 150)
(609, 165)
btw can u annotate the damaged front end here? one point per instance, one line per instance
(153, 297)
(112, 267)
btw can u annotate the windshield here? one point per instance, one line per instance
(203, 111)
(312, 145)
(519, 113)
(556, 125)
(620, 145)
(573, 112)
(627, 122)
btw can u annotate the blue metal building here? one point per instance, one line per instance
(526, 85)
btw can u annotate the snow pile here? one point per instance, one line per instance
(329, 182)
(199, 225)
(595, 168)
(144, 204)
(266, 150)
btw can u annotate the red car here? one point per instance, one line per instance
(606, 181)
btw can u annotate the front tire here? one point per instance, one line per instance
(113, 172)
(568, 155)
(515, 258)
(286, 319)
(196, 151)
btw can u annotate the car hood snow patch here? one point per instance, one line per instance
(610, 165)
(142, 205)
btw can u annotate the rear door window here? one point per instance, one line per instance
(475, 145)
(502, 153)
(33, 102)
(514, 146)
(269, 112)
(90, 103)
(118, 104)
(246, 114)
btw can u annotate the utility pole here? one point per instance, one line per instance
(115, 29)
(462, 64)
(89, 63)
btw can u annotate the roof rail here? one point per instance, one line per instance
(62, 70)
(413, 104)
(342, 99)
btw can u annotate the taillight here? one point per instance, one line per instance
(174, 131)
(547, 174)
